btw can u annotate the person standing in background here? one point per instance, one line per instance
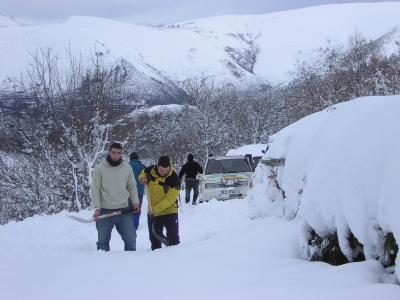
(137, 168)
(190, 170)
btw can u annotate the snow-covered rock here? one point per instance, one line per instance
(338, 172)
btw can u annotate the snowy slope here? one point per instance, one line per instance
(285, 37)
(156, 109)
(212, 47)
(174, 54)
(7, 21)
(340, 173)
(223, 255)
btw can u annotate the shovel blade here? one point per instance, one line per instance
(81, 220)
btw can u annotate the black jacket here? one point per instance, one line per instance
(190, 169)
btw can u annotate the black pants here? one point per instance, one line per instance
(171, 224)
(191, 183)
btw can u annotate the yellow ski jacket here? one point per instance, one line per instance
(163, 192)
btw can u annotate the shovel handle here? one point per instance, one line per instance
(115, 213)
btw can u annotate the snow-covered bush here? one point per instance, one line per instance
(337, 171)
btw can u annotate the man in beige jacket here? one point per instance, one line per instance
(113, 183)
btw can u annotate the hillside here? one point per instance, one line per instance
(243, 50)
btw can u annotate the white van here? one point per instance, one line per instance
(225, 177)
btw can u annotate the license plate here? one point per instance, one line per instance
(229, 192)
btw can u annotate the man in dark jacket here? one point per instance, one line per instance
(190, 170)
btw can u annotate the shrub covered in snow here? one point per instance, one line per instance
(337, 170)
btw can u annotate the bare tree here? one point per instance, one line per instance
(65, 131)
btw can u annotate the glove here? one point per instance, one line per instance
(96, 214)
(136, 208)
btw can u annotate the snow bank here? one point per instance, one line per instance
(337, 170)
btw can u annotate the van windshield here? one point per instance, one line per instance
(235, 165)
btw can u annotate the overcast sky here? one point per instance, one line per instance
(147, 11)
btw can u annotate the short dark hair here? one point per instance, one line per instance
(116, 146)
(133, 155)
(164, 161)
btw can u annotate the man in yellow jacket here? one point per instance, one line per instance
(163, 188)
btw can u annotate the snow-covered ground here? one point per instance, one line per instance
(340, 174)
(224, 254)
(156, 109)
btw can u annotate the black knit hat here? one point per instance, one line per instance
(164, 161)
(134, 155)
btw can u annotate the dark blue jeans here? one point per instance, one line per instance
(171, 224)
(124, 225)
(191, 183)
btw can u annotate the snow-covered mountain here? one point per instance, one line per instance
(7, 21)
(243, 50)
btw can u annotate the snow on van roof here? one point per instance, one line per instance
(253, 149)
(226, 157)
